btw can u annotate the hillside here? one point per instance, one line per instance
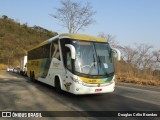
(16, 39)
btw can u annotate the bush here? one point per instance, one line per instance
(3, 67)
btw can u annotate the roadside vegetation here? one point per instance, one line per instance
(128, 73)
(3, 66)
(140, 64)
(16, 39)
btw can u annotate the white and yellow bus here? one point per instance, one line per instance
(79, 64)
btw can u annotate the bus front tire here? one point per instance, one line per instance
(57, 85)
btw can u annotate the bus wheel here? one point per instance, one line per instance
(32, 77)
(57, 85)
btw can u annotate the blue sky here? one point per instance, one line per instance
(130, 21)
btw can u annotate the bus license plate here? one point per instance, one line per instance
(98, 90)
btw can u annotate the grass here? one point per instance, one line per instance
(3, 67)
(140, 81)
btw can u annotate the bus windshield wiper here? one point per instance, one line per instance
(99, 60)
(101, 65)
(93, 65)
(94, 61)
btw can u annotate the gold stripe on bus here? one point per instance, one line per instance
(84, 37)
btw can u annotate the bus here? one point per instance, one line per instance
(76, 63)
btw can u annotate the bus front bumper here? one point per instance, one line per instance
(86, 89)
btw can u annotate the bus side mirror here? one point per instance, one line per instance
(118, 53)
(72, 49)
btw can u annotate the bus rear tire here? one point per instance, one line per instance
(32, 76)
(58, 85)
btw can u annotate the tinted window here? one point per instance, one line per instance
(47, 51)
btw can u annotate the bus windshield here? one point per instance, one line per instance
(93, 58)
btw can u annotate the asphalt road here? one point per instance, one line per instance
(20, 94)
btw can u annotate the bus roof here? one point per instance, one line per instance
(83, 37)
(72, 36)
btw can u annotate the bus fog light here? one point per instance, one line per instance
(77, 89)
